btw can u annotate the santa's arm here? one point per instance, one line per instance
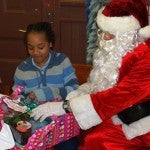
(90, 110)
(82, 89)
(84, 112)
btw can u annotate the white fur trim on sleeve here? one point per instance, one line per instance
(134, 129)
(84, 112)
(137, 128)
(145, 32)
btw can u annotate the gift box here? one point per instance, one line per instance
(34, 135)
(22, 126)
(60, 129)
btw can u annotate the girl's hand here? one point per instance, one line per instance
(32, 96)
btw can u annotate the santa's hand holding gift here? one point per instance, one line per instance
(115, 102)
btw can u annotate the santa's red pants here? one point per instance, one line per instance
(108, 136)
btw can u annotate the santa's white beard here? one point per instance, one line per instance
(107, 60)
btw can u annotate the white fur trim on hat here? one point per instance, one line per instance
(117, 24)
(145, 32)
(84, 112)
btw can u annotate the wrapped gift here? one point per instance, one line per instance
(51, 131)
(35, 135)
(21, 125)
(60, 129)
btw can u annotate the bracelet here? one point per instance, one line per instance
(66, 106)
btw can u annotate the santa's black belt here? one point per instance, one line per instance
(135, 112)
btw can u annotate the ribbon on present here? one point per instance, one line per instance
(17, 92)
(1, 117)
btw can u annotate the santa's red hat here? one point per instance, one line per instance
(123, 16)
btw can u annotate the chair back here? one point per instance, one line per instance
(82, 72)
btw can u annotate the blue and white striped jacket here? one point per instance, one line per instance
(55, 81)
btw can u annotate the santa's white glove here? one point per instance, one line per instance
(48, 109)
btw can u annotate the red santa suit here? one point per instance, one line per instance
(96, 109)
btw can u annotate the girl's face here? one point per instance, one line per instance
(38, 47)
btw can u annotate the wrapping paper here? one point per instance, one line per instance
(60, 129)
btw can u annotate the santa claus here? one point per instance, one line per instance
(114, 104)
